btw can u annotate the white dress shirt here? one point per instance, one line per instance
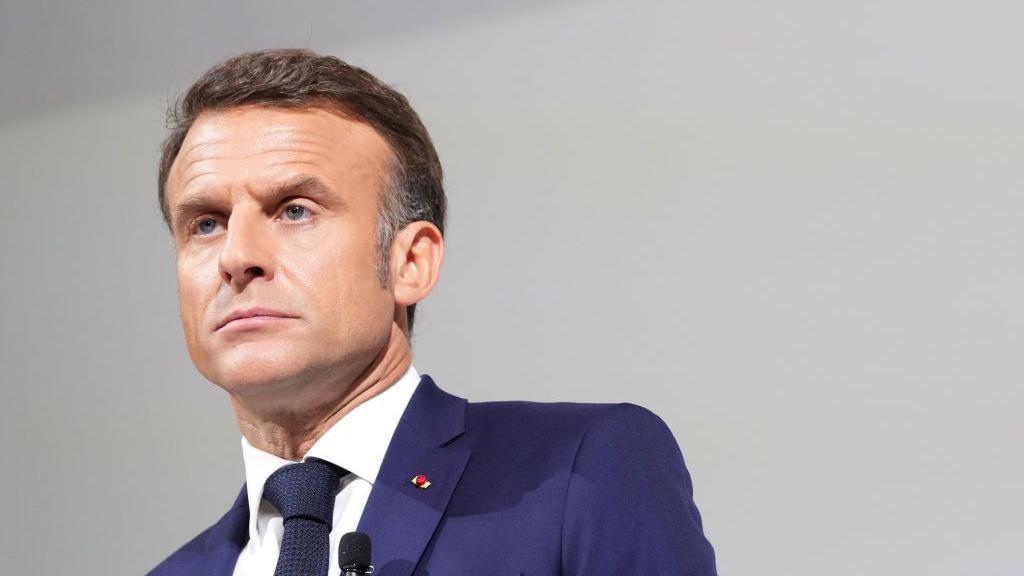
(357, 443)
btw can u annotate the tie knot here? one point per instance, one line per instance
(306, 489)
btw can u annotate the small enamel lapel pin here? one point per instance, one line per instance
(420, 481)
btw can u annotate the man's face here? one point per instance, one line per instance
(274, 212)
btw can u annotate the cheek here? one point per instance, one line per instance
(192, 298)
(347, 287)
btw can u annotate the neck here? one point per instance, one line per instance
(289, 432)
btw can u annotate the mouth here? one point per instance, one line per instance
(251, 317)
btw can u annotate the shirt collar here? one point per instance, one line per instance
(357, 442)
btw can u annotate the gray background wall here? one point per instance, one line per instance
(792, 229)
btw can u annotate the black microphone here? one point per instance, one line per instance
(354, 554)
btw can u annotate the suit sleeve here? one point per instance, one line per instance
(629, 507)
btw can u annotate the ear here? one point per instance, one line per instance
(416, 255)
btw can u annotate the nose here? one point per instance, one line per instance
(247, 252)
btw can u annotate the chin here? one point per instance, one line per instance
(253, 368)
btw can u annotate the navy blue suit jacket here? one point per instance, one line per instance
(516, 488)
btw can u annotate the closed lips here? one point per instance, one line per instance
(251, 313)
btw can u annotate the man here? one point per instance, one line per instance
(307, 208)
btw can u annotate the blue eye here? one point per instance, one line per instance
(206, 225)
(295, 212)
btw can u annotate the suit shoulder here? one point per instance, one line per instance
(622, 426)
(568, 415)
(555, 422)
(573, 414)
(629, 477)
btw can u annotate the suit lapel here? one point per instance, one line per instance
(399, 516)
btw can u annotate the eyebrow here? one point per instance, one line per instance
(307, 186)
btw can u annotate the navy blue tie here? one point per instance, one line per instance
(304, 494)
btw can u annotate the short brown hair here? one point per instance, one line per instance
(295, 78)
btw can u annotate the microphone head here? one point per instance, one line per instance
(354, 552)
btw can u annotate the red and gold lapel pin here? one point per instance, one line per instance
(420, 481)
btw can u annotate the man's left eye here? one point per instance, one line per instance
(295, 212)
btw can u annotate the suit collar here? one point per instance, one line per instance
(400, 517)
(358, 443)
(433, 415)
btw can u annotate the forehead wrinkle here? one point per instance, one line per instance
(213, 173)
(297, 133)
(207, 140)
(297, 136)
(185, 157)
(195, 177)
(304, 146)
(193, 146)
(291, 145)
(290, 151)
(192, 163)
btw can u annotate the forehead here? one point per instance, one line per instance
(253, 146)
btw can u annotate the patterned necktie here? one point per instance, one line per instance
(304, 494)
